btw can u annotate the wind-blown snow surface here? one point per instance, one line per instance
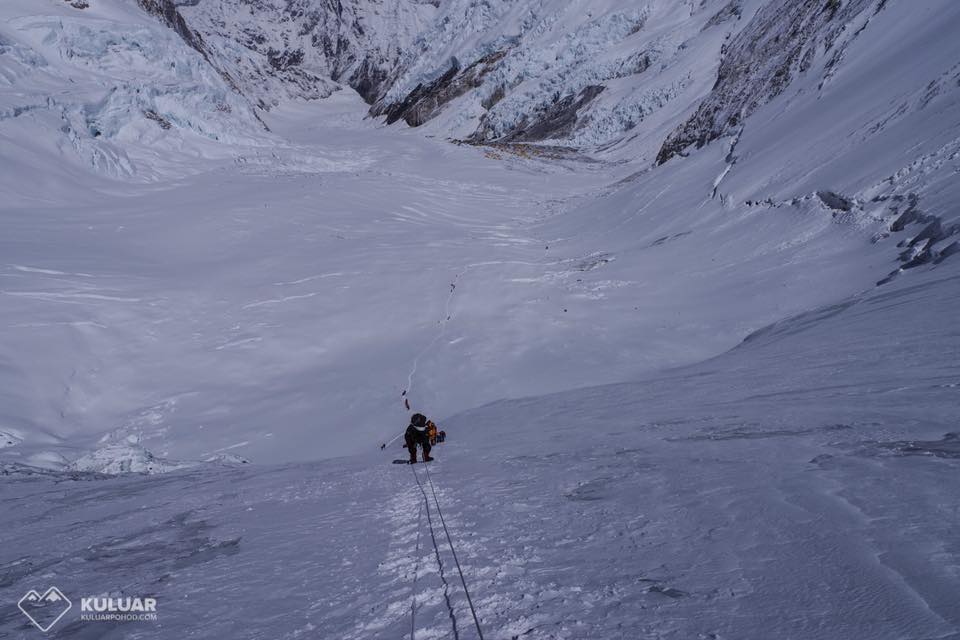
(277, 307)
(201, 287)
(801, 486)
(272, 296)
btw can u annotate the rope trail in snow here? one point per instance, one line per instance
(416, 360)
(416, 574)
(439, 334)
(436, 551)
(452, 551)
(405, 395)
(394, 439)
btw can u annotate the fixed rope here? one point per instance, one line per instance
(436, 551)
(463, 580)
(392, 440)
(416, 574)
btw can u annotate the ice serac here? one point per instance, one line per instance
(484, 71)
(559, 72)
(168, 12)
(108, 90)
(273, 50)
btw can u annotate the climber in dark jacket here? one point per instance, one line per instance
(417, 434)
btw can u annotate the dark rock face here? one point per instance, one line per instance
(835, 201)
(733, 10)
(369, 80)
(554, 119)
(425, 101)
(558, 119)
(284, 60)
(780, 42)
(162, 122)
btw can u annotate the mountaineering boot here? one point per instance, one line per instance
(410, 444)
(427, 458)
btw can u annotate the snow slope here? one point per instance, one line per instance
(709, 397)
(279, 306)
(802, 485)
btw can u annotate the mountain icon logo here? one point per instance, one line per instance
(45, 610)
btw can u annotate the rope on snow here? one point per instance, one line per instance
(452, 551)
(436, 550)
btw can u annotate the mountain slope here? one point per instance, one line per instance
(708, 397)
(798, 485)
(229, 306)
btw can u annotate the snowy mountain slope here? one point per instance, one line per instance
(802, 485)
(278, 307)
(806, 47)
(715, 397)
(876, 147)
(240, 308)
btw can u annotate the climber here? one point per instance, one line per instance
(432, 432)
(415, 434)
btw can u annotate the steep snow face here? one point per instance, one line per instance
(785, 40)
(285, 304)
(801, 486)
(106, 89)
(281, 49)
